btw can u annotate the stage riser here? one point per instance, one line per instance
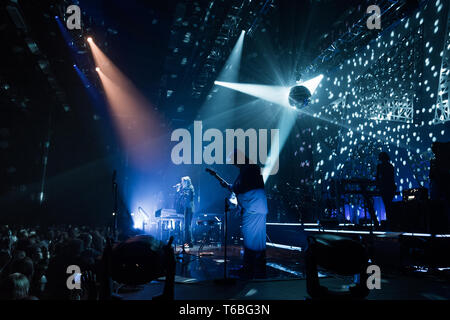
(287, 235)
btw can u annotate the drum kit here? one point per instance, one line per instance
(207, 227)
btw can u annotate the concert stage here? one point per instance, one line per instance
(412, 267)
(300, 149)
(285, 280)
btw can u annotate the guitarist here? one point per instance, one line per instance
(249, 190)
(386, 183)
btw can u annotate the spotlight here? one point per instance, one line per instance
(89, 39)
(97, 69)
(299, 97)
(139, 260)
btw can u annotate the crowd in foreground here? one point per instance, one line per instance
(34, 261)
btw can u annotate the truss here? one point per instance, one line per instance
(388, 89)
(392, 109)
(442, 111)
(358, 35)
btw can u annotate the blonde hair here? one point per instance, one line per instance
(186, 180)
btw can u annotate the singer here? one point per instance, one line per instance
(184, 204)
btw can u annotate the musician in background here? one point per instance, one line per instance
(249, 190)
(440, 171)
(440, 185)
(386, 182)
(184, 204)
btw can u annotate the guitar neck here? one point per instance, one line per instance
(233, 199)
(222, 181)
(220, 178)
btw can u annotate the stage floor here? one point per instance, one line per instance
(285, 280)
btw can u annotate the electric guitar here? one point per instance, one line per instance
(232, 199)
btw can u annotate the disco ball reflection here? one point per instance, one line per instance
(299, 97)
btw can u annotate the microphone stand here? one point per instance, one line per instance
(225, 280)
(115, 206)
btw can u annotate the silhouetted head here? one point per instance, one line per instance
(441, 150)
(22, 234)
(35, 253)
(5, 257)
(238, 158)
(384, 157)
(14, 287)
(24, 266)
(87, 240)
(74, 232)
(74, 248)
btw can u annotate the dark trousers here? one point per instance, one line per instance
(254, 263)
(387, 201)
(187, 225)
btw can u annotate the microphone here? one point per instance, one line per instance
(114, 176)
(141, 210)
(114, 183)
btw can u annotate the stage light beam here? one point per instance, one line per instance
(136, 123)
(274, 94)
(278, 95)
(220, 100)
(312, 84)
